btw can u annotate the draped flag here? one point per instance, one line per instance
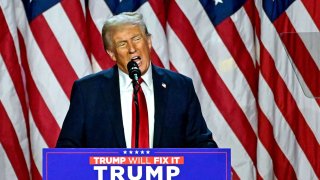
(254, 64)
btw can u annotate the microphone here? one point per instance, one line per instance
(135, 74)
(134, 71)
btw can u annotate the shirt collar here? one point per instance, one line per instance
(126, 82)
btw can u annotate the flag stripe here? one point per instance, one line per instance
(158, 39)
(220, 57)
(159, 7)
(76, 16)
(281, 165)
(302, 59)
(16, 157)
(96, 44)
(283, 133)
(59, 27)
(155, 58)
(10, 58)
(35, 175)
(53, 53)
(313, 10)
(43, 117)
(204, 66)
(239, 52)
(34, 170)
(181, 59)
(291, 112)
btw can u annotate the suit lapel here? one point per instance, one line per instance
(160, 84)
(111, 93)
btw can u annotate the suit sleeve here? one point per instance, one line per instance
(71, 134)
(198, 135)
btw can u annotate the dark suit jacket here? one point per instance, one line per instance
(94, 119)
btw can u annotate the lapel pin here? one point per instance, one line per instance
(164, 85)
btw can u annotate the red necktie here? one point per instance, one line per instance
(143, 126)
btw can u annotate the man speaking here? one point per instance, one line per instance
(151, 108)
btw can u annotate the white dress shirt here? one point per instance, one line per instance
(126, 91)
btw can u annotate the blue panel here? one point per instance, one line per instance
(118, 7)
(274, 8)
(219, 10)
(37, 7)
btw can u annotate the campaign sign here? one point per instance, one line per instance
(164, 163)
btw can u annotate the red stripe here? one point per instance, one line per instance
(281, 165)
(43, 118)
(155, 58)
(172, 68)
(96, 45)
(224, 100)
(34, 171)
(159, 8)
(231, 38)
(54, 54)
(234, 175)
(290, 111)
(75, 13)
(302, 58)
(10, 58)
(313, 9)
(10, 143)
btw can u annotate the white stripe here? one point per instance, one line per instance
(46, 82)
(222, 133)
(100, 12)
(12, 105)
(302, 21)
(83, 6)
(303, 24)
(9, 15)
(264, 162)
(68, 39)
(7, 171)
(308, 106)
(221, 59)
(37, 144)
(95, 65)
(243, 24)
(283, 133)
(245, 29)
(159, 40)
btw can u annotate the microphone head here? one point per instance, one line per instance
(134, 71)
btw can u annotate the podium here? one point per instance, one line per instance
(119, 163)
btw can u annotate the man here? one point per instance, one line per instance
(101, 114)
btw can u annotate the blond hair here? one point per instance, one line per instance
(125, 18)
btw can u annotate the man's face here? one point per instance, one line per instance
(129, 42)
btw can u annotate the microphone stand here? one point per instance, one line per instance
(136, 87)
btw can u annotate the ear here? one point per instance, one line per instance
(149, 42)
(112, 55)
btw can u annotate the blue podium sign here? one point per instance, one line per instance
(163, 163)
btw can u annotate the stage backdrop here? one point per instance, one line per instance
(256, 78)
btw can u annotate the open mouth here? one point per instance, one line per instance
(136, 59)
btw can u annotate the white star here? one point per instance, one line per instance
(148, 152)
(141, 152)
(216, 2)
(137, 152)
(124, 152)
(130, 152)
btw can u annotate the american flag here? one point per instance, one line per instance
(255, 67)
